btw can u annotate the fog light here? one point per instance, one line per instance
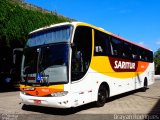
(23, 92)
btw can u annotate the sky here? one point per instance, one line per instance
(135, 20)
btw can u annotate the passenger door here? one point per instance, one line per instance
(80, 62)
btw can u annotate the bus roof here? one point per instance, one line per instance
(75, 23)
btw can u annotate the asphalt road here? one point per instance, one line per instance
(132, 105)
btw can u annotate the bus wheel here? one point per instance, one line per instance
(102, 95)
(145, 86)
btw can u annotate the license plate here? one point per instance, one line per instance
(37, 101)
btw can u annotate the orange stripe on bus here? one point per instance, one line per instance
(42, 91)
(142, 66)
(104, 65)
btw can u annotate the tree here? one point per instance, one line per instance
(17, 21)
(157, 61)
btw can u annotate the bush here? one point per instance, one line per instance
(16, 22)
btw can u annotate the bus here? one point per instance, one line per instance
(10, 68)
(70, 64)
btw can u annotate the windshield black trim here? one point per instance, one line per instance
(50, 30)
(39, 84)
(44, 45)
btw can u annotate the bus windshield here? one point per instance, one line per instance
(45, 64)
(45, 58)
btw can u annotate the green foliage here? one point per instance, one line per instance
(157, 61)
(16, 22)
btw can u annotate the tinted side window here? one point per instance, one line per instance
(116, 47)
(101, 43)
(127, 50)
(135, 51)
(141, 54)
(145, 55)
(150, 56)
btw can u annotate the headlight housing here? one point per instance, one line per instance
(59, 94)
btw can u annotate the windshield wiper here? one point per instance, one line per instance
(40, 75)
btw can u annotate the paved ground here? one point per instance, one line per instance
(133, 103)
(136, 102)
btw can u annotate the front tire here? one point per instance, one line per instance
(102, 96)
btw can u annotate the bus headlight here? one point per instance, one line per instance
(23, 92)
(59, 94)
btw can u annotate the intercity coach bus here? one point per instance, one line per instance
(70, 64)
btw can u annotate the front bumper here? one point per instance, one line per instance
(56, 102)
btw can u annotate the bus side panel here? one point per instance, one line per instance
(82, 90)
(142, 75)
(120, 82)
(116, 85)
